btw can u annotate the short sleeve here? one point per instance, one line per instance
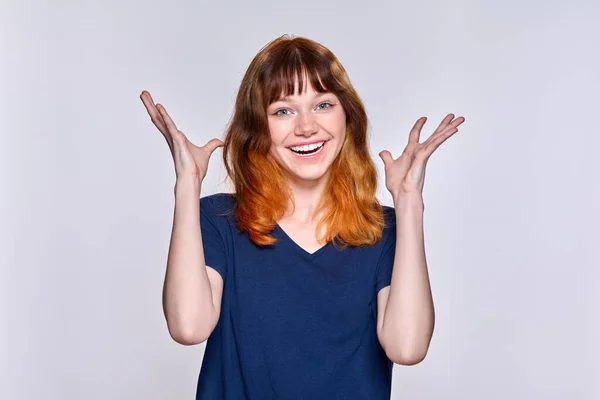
(385, 264)
(213, 244)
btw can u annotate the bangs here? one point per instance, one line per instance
(292, 69)
(352, 214)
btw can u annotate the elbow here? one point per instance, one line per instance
(191, 333)
(408, 350)
(188, 337)
(405, 354)
(406, 358)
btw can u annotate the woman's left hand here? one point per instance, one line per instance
(405, 175)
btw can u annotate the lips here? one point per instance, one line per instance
(307, 149)
(307, 143)
(309, 155)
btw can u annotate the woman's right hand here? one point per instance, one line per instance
(191, 161)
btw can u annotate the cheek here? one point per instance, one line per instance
(338, 129)
(277, 131)
(337, 124)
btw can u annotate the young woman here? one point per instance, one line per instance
(305, 286)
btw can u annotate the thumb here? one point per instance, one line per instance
(213, 144)
(386, 156)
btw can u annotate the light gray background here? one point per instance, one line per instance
(511, 201)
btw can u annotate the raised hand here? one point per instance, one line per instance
(405, 175)
(191, 161)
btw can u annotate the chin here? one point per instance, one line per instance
(308, 176)
(308, 172)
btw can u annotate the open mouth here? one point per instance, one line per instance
(308, 150)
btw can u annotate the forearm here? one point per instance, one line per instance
(187, 295)
(409, 313)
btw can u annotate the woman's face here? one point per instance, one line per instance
(310, 118)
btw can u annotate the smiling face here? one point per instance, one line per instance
(307, 132)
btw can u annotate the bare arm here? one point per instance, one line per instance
(192, 292)
(406, 314)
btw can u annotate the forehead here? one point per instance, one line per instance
(293, 82)
(308, 93)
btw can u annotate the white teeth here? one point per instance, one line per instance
(308, 147)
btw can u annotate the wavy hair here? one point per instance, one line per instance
(352, 214)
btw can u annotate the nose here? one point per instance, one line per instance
(306, 125)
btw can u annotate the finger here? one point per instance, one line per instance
(151, 109)
(386, 156)
(171, 127)
(155, 117)
(447, 124)
(448, 131)
(444, 122)
(415, 132)
(438, 140)
(457, 122)
(213, 144)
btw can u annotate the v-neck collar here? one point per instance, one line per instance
(299, 249)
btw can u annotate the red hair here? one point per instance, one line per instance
(352, 214)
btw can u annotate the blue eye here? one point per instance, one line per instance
(278, 112)
(329, 105)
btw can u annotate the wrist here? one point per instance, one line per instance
(185, 187)
(409, 202)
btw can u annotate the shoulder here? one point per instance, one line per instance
(218, 202)
(218, 207)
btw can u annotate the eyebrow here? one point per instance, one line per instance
(287, 98)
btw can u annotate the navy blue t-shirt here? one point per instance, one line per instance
(293, 324)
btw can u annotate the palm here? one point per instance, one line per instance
(395, 174)
(201, 156)
(406, 174)
(190, 160)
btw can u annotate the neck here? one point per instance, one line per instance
(306, 197)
